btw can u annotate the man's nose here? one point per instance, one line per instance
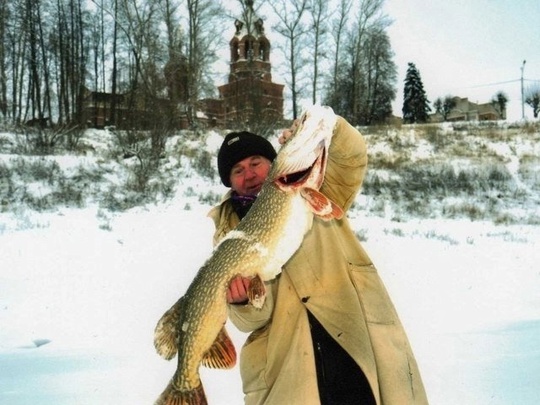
(250, 173)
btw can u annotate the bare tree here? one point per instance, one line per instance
(17, 43)
(363, 84)
(293, 28)
(369, 14)
(338, 31)
(168, 10)
(318, 11)
(380, 76)
(140, 30)
(114, 74)
(68, 54)
(203, 37)
(33, 97)
(97, 47)
(176, 68)
(499, 102)
(4, 17)
(532, 98)
(135, 50)
(444, 106)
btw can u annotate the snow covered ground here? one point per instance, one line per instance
(81, 291)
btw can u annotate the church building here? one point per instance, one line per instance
(250, 93)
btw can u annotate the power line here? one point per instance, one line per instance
(499, 83)
(494, 84)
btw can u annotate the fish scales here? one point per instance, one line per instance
(205, 310)
(259, 246)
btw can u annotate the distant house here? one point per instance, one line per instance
(466, 110)
(100, 109)
(97, 107)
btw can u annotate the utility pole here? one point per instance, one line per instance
(522, 96)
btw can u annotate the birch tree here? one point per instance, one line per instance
(318, 13)
(203, 35)
(293, 28)
(339, 26)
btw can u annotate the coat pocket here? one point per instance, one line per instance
(378, 307)
(253, 360)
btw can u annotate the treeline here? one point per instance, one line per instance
(53, 52)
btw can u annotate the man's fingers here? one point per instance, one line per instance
(237, 291)
(287, 133)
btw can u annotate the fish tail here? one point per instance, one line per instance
(166, 332)
(173, 396)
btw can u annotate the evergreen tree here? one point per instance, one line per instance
(415, 103)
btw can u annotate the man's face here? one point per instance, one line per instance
(248, 175)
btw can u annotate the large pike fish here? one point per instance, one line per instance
(257, 248)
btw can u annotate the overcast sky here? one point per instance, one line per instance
(467, 48)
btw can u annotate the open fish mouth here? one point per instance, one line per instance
(312, 176)
(293, 178)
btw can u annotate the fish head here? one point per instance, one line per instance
(301, 161)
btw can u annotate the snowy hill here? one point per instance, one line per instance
(481, 171)
(97, 242)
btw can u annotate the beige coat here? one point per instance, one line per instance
(333, 277)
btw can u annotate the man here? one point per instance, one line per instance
(328, 332)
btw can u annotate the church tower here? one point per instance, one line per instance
(250, 93)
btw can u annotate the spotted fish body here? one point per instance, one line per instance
(257, 248)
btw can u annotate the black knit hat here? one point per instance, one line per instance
(236, 147)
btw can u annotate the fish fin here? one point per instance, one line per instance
(321, 205)
(256, 292)
(173, 396)
(166, 332)
(222, 354)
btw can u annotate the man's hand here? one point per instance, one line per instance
(287, 133)
(237, 291)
